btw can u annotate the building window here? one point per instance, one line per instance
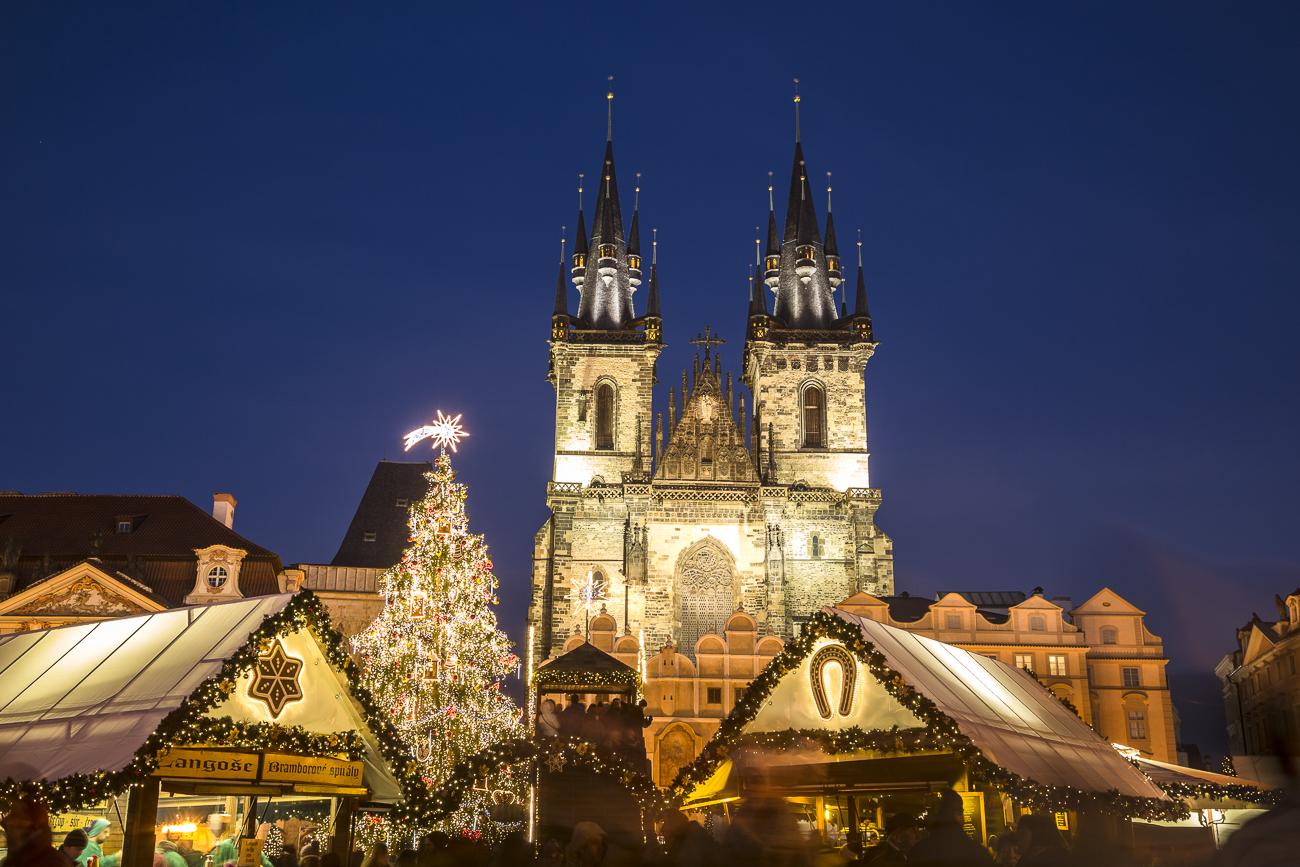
(1131, 677)
(1137, 725)
(368, 537)
(1025, 661)
(714, 695)
(812, 418)
(814, 546)
(740, 693)
(994, 657)
(1037, 624)
(953, 621)
(217, 576)
(1056, 666)
(605, 416)
(1109, 635)
(401, 504)
(124, 526)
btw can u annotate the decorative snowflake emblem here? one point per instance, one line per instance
(588, 593)
(275, 679)
(443, 431)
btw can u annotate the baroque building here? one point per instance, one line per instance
(726, 505)
(1261, 687)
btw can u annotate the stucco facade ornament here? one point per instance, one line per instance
(216, 578)
(85, 596)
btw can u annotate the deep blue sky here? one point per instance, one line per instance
(245, 247)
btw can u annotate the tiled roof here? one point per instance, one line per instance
(378, 513)
(158, 552)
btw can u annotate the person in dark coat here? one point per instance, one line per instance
(1043, 846)
(947, 844)
(28, 836)
(688, 844)
(73, 844)
(904, 832)
(572, 718)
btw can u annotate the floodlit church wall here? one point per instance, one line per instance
(579, 369)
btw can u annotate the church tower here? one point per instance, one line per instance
(673, 524)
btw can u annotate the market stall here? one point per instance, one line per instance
(231, 704)
(856, 720)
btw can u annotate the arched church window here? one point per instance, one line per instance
(813, 403)
(605, 416)
(815, 546)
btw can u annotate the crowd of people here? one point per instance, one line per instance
(616, 726)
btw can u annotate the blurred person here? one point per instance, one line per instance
(762, 831)
(552, 854)
(167, 853)
(309, 861)
(573, 717)
(902, 833)
(72, 846)
(309, 846)
(686, 842)
(587, 847)
(28, 836)
(515, 851)
(98, 832)
(378, 856)
(593, 728)
(330, 859)
(407, 858)
(548, 721)
(1043, 845)
(947, 845)
(186, 849)
(1008, 848)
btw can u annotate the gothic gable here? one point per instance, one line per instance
(705, 444)
(85, 590)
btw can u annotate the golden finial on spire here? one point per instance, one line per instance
(562, 228)
(580, 176)
(796, 110)
(828, 192)
(654, 246)
(636, 199)
(609, 97)
(859, 249)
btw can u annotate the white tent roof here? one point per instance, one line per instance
(84, 698)
(1017, 723)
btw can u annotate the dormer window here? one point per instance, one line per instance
(368, 537)
(217, 577)
(1109, 635)
(401, 504)
(607, 251)
(634, 261)
(124, 526)
(1037, 624)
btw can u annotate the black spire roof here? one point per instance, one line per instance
(607, 300)
(860, 301)
(757, 300)
(830, 246)
(634, 236)
(652, 302)
(802, 305)
(580, 242)
(561, 295)
(773, 242)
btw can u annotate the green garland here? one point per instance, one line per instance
(587, 678)
(187, 725)
(1216, 792)
(940, 733)
(574, 753)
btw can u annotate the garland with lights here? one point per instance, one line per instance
(941, 733)
(1216, 792)
(561, 754)
(562, 680)
(434, 658)
(187, 725)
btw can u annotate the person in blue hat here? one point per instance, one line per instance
(97, 833)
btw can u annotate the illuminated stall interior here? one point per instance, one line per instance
(208, 719)
(856, 721)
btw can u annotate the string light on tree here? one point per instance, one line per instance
(434, 658)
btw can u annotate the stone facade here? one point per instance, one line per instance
(704, 535)
(1261, 687)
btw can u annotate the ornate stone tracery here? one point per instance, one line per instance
(706, 590)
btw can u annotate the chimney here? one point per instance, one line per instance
(223, 509)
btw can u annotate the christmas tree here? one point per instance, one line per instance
(434, 656)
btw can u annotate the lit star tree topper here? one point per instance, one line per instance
(442, 430)
(434, 657)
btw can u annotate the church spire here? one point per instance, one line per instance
(652, 302)
(607, 298)
(634, 239)
(561, 294)
(831, 249)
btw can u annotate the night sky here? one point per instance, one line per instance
(247, 248)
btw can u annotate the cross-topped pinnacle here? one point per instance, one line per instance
(707, 341)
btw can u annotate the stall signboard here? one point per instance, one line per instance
(207, 765)
(250, 853)
(277, 767)
(972, 815)
(62, 823)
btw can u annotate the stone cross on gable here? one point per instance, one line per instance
(707, 341)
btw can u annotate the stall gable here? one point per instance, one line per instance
(323, 705)
(813, 696)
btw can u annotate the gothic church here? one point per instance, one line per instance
(721, 507)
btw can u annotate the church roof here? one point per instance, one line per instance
(606, 303)
(383, 511)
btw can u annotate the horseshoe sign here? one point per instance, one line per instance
(848, 679)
